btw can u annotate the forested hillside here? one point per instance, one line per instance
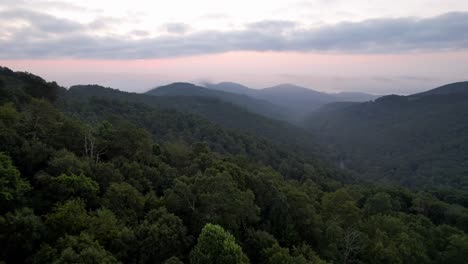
(259, 106)
(115, 178)
(420, 141)
(223, 113)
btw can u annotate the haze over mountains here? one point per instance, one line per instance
(297, 99)
(380, 138)
(285, 101)
(418, 140)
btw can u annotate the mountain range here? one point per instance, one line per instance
(420, 140)
(92, 174)
(286, 101)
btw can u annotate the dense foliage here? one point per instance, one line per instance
(420, 141)
(120, 182)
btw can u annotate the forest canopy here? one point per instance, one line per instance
(120, 181)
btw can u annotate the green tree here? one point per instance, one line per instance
(9, 120)
(215, 245)
(161, 236)
(66, 186)
(113, 235)
(212, 197)
(173, 260)
(125, 201)
(379, 203)
(75, 249)
(12, 186)
(340, 207)
(279, 255)
(104, 226)
(395, 239)
(456, 251)
(70, 217)
(105, 173)
(65, 162)
(21, 233)
(255, 244)
(134, 143)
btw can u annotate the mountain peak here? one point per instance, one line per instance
(231, 87)
(178, 89)
(288, 86)
(452, 88)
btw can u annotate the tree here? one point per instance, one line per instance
(113, 235)
(69, 217)
(340, 207)
(279, 255)
(173, 260)
(12, 186)
(379, 203)
(66, 162)
(456, 251)
(125, 201)
(134, 143)
(215, 245)
(395, 239)
(105, 173)
(66, 186)
(9, 120)
(21, 233)
(255, 244)
(104, 226)
(75, 249)
(161, 236)
(212, 197)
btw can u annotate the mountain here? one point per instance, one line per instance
(420, 140)
(211, 108)
(29, 83)
(95, 175)
(453, 88)
(299, 101)
(354, 96)
(231, 87)
(254, 105)
(290, 94)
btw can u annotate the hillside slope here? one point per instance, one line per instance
(419, 140)
(215, 110)
(258, 106)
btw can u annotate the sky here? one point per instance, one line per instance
(377, 46)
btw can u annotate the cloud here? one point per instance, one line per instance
(140, 33)
(176, 28)
(47, 5)
(272, 26)
(40, 22)
(46, 36)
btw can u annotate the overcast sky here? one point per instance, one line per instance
(330, 45)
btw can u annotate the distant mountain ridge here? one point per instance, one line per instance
(255, 105)
(299, 100)
(453, 88)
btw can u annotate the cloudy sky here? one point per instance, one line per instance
(379, 46)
